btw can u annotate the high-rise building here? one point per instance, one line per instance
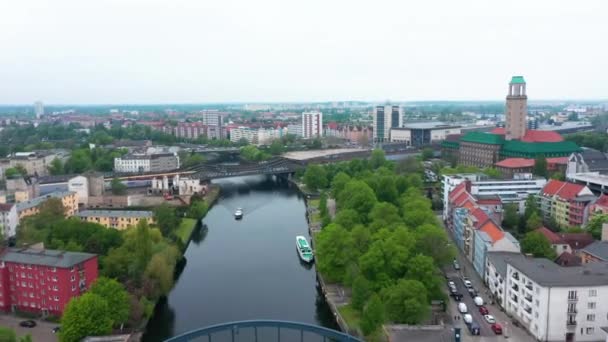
(214, 122)
(385, 118)
(312, 124)
(38, 109)
(517, 109)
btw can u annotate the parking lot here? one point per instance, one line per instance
(41, 332)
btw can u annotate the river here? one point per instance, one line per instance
(245, 269)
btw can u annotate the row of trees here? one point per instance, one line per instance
(385, 241)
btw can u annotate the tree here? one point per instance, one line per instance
(492, 172)
(372, 316)
(540, 166)
(56, 167)
(384, 215)
(118, 188)
(276, 147)
(338, 183)
(432, 240)
(361, 291)
(12, 172)
(79, 162)
(531, 206)
(315, 177)
(557, 175)
(427, 153)
(115, 295)
(193, 160)
(423, 269)
(161, 269)
(197, 209)
(409, 165)
(510, 217)
(406, 302)
(166, 219)
(537, 244)
(387, 257)
(377, 158)
(333, 248)
(357, 195)
(387, 189)
(594, 225)
(86, 315)
(534, 222)
(7, 335)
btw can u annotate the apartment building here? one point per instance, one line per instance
(312, 124)
(35, 163)
(8, 219)
(43, 281)
(69, 199)
(514, 190)
(141, 163)
(118, 219)
(255, 136)
(567, 203)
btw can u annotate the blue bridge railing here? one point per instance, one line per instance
(252, 331)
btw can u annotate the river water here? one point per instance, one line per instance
(245, 269)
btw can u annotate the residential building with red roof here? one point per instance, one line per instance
(511, 166)
(490, 237)
(556, 241)
(567, 203)
(600, 206)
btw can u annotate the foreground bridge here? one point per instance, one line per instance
(275, 166)
(264, 330)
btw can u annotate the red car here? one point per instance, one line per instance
(483, 310)
(497, 329)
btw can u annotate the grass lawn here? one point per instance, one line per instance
(185, 229)
(315, 218)
(350, 315)
(314, 203)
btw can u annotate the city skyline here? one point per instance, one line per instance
(120, 52)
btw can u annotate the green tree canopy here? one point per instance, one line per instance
(511, 218)
(537, 244)
(427, 153)
(56, 167)
(406, 302)
(339, 183)
(372, 316)
(166, 219)
(333, 251)
(432, 240)
(315, 177)
(115, 295)
(594, 225)
(361, 291)
(377, 159)
(384, 215)
(118, 188)
(534, 222)
(86, 315)
(540, 166)
(357, 195)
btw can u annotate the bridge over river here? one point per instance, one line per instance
(274, 166)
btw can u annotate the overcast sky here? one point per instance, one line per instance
(151, 51)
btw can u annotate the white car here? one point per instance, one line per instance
(490, 319)
(451, 283)
(467, 283)
(462, 307)
(467, 318)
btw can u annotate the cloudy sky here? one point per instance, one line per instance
(152, 51)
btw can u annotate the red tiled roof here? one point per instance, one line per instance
(493, 231)
(534, 135)
(515, 163)
(489, 201)
(480, 216)
(457, 191)
(557, 160)
(551, 236)
(577, 240)
(552, 187)
(332, 125)
(570, 190)
(568, 259)
(603, 200)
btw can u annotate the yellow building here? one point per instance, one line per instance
(69, 199)
(119, 219)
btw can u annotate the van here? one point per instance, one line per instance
(462, 307)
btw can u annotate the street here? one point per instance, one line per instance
(41, 332)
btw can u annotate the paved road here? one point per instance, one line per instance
(42, 331)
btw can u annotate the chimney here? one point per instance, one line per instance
(605, 232)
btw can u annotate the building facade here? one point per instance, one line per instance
(35, 163)
(422, 133)
(312, 124)
(8, 219)
(43, 281)
(385, 118)
(567, 203)
(141, 163)
(31, 207)
(117, 219)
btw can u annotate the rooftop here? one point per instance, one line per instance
(116, 213)
(553, 238)
(515, 163)
(517, 80)
(34, 202)
(305, 155)
(577, 240)
(547, 273)
(44, 257)
(598, 249)
(428, 125)
(534, 135)
(498, 259)
(483, 138)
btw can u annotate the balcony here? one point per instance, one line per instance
(514, 299)
(528, 298)
(515, 287)
(515, 276)
(572, 310)
(529, 286)
(528, 309)
(570, 323)
(572, 299)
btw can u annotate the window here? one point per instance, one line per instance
(72, 278)
(56, 298)
(55, 288)
(572, 295)
(73, 287)
(591, 317)
(54, 269)
(590, 331)
(592, 293)
(31, 294)
(54, 278)
(591, 305)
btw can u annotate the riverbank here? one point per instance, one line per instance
(187, 226)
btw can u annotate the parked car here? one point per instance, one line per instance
(462, 307)
(478, 301)
(474, 328)
(483, 310)
(457, 296)
(496, 328)
(27, 324)
(456, 265)
(453, 290)
(467, 282)
(467, 318)
(451, 283)
(489, 318)
(472, 292)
